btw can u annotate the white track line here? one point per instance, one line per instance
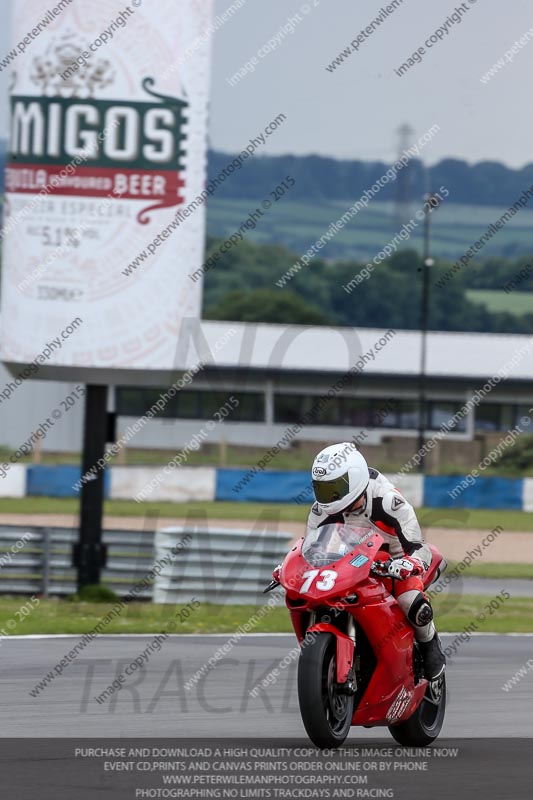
(213, 635)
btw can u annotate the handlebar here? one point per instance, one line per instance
(381, 568)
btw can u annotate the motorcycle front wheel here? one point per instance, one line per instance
(425, 724)
(326, 711)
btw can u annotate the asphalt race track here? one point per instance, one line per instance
(153, 702)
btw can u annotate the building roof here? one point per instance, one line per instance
(375, 351)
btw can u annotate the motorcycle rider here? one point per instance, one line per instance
(346, 488)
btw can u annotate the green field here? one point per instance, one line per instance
(514, 302)
(129, 508)
(63, 616)
(299, 224)
(524, 571)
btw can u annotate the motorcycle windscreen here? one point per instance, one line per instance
(329, 543)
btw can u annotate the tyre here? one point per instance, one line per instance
(425, 724)
(326, 712)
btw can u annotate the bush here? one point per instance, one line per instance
(95, 593)
(519, 457)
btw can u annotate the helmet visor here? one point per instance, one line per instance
(330, 491)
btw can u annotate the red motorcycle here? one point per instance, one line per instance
(359, 662)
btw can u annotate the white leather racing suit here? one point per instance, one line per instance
(387, 508)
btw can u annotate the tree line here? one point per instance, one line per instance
(487, 183)
(242, 287)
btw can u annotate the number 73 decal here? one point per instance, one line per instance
(325, 584)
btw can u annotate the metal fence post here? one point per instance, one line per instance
(46, 544)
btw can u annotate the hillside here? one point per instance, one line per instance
(244, 285)
(318, 178)
(324, 188)
(298, 224)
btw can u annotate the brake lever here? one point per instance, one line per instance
(271, 585)
(381, 568)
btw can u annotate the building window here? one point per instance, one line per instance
(357, 412)
(251, 407)
(488, 417)
(291, 408)
(348, 412)
(398, 414)
(408, 414)
(136, 402)
(363, 412)
(523, 418)
(191, 404)
(441, 413)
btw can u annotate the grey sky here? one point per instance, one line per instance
(353, 112)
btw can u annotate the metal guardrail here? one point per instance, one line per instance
(216, 565)
(44, 564)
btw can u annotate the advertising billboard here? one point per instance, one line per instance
(104, 215)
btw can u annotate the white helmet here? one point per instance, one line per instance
(340, 477)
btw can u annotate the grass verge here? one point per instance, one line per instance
(453, 613)
(453, 518)
(497, 571)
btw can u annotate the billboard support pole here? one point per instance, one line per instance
(90, 552)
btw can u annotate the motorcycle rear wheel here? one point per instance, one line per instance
(425, 724)
(326, 712)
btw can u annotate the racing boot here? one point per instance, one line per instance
(433, 658)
